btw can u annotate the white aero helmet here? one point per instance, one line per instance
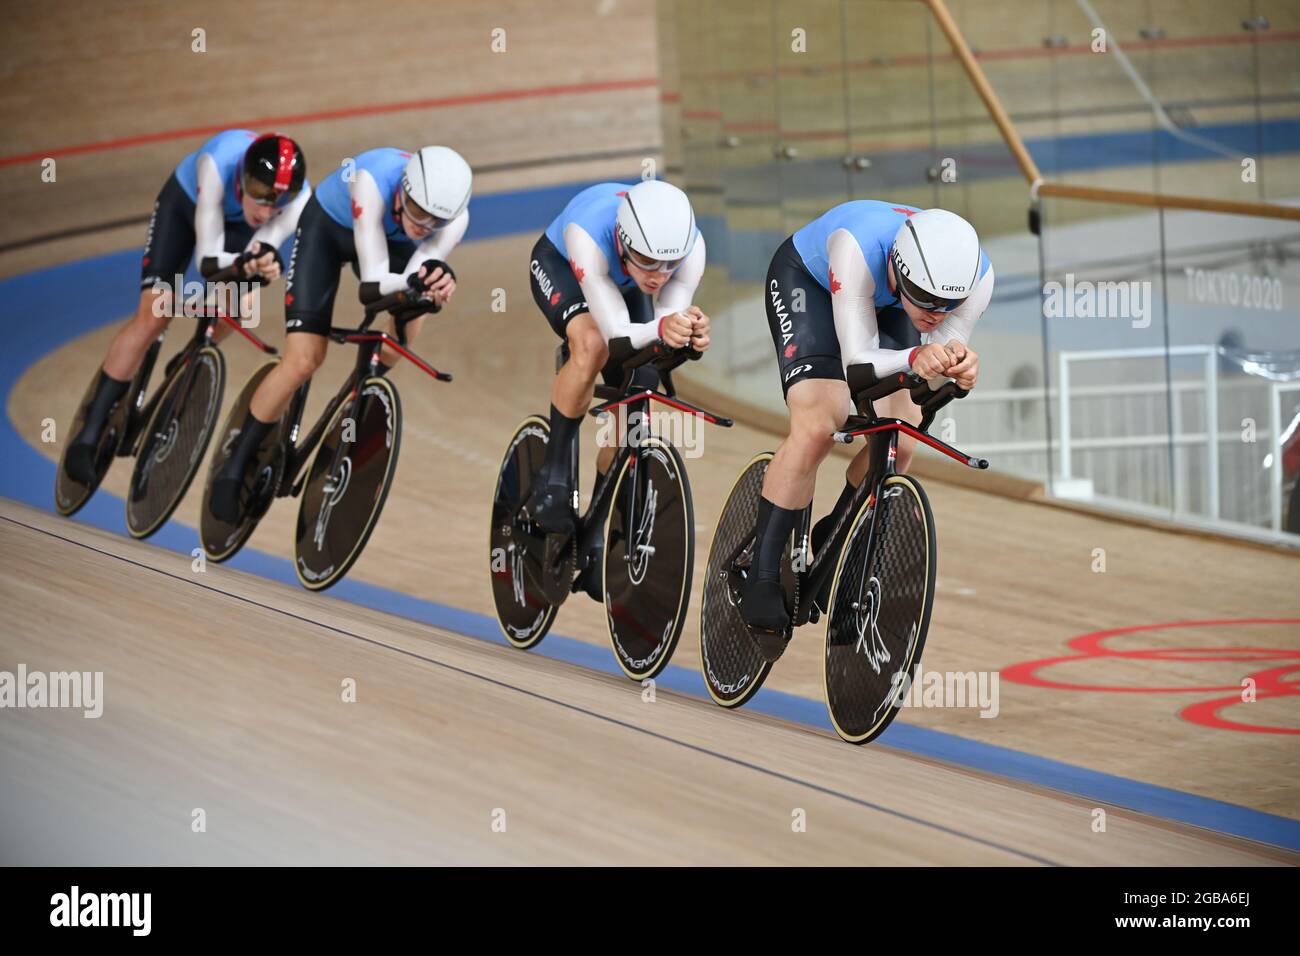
(438, 180)
(656, 222)
(936, 257)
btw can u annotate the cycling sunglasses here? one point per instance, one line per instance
(652, 265)
(418, 216)
(264, 195)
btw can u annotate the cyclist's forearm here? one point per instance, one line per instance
(885, 361)
(277, 231)
(678, 293)
(607, 308)
(209, 222)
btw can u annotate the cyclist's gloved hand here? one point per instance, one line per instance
(699, 328)
(676, 329)
(965, 365)
(439, 281)
(422, 299)
(262, 261)
(930, 361)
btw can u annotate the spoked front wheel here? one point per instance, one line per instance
(516, 549)
(347, 485)
(649, 559)
(879, 610)
(174, 441)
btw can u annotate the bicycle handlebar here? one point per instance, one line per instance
(659, 353)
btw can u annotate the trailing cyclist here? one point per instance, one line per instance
(239, 194)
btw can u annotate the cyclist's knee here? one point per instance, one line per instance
(303, 358)
(810, 440)
(588, 349)
(154, 311)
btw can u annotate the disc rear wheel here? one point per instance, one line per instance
(221, 540)
(733, 668)
(517, 549)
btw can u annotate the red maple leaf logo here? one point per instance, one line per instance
(288, 300)
(790, 350)
(579, 273)
(907, 212)
(146, 260)
(356, 209)
(835, 286)
(555, 297)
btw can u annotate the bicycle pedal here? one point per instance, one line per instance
(771, 644)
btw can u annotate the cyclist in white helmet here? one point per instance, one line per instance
(619, 261)
(395, 217)
(882, 283)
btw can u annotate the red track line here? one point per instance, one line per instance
(265, 122)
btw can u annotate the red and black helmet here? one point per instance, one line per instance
(274, 168)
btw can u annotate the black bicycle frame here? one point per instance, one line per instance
(638, 403)
(371, 345)
(141, 411)
(866, 388)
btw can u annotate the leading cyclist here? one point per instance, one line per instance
(881, 283)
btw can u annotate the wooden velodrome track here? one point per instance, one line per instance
(223, 690)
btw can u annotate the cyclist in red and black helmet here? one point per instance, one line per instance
(239, 192)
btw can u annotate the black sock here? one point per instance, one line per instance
(559, 457)
(108, 391)
(251, 434)
(774, 527)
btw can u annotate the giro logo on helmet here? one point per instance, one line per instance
(656, 225)
(438, 181)
(936, 258)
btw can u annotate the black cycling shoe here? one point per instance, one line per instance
(224, 500)
(79, 462)
(763, 610)
(592, 547)
(551, 506)
(592, 579)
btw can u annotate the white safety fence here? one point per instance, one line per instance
(1146, 446)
